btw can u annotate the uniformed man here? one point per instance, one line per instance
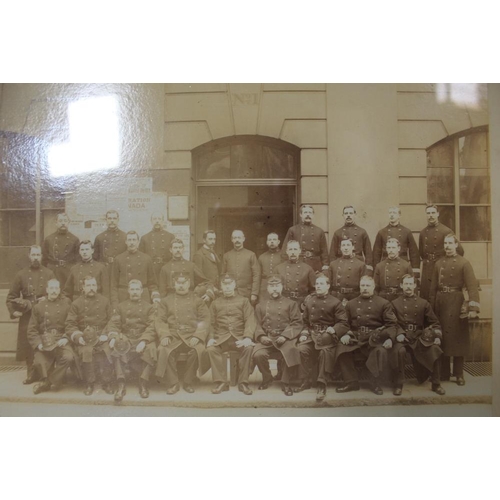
(232, 328)
(345, 273)
(157, 243)
(87, 267)
(244, 266)
(421, 337)
(207, 260)
(324, 340)
(390, 272)
(268, 262)
(85, 326)
(374, 326)
(133, 265)
(312, 240)
(29, 286)
(298, 277)
(452, 274)
(60, 249)
(182, 325)
(409, 249)
(431, 247)
(132, 326)
(358, 236)
(178, 264)
(279, 323)
(53, 355)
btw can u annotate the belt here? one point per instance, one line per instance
(448, 289)
(342, 289)
(320, 328)
(364, 329)
(392, 289)
(293, 294)
(433, 256)
(60, 263)
(411, 328)
(308, 255)
(273, 333)
(111, 260)
(158, 260)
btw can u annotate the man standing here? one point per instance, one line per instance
(206, 260)
(298, 277)
(133, 265)
(408, 250)
(390, 272)
(279, 323)
(60, 250)
(431, 247)
(325, 339)
(451, 275)
(134, 319)
(28, 287)
(85, 326)
(182, 326)
(421, 337)
(312, 240)
(345, 273)
(374, 325)
(232, 329)
(157, 243)
(53, 355)
(244, 266)
(268, 262)
(87, 267)
(358, 236)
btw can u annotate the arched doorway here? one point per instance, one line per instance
(248, 183)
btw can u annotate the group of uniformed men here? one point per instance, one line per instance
(126, 305)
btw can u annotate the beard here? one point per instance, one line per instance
(35, 264)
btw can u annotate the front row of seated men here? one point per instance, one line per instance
(310, 345)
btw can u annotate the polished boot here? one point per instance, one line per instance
(143, 389)
(460, 381)
(108, 388)
(321, 394)
(287, 390)
(351, 386)
(120, 392)
(173, 389)
(304, 386)
(398, 390)
(438, 389)
(265, 384)
(188, 388)
(243, 387)
(89, 389)
(220, 387)
(42, 386)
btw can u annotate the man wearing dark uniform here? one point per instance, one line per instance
(421, 337)
(312, 240)
(182, 324)
(324, 340)
(268, 262)
(232, 329)
(85, 326)
(53, 355)
(298, 277)
(60, 250)
(409, 249)
(133, 265)
(87, 267)
(28, 287)
(206, 260)
(452, 274)
(431, 247)
(374, 325)
(157, 243)
(358, 236)
(134, 319)
(390, 272)
(345, 273)
(279, 323)
(244, 266)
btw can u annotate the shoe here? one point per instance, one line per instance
(120, 392)
(220, 387)
(43, 386)
(306, 384)
(89, 389)
(243, 387)
(351, 386)
(438, 389)
(287, 390)
(460, 381)
(265, 384)
(377, 390)
(30, 379)
(143, 389)
(398, 390)
(321, 394)
(188, 388)
(173, 389)
(108, 388)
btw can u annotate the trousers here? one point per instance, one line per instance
(135, 364)
(219, 364)
(261, 359)
(458, 366)
(99, 364)
(52, 365)
(171, 373)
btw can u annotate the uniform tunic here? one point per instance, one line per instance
(360, 240)
(345, 274)
(268, 262)
(431, 248)
(172, 268)
(298, 280)
(156, 244)
(313, 244)
(388, 276)
(209, 264)
(245, 268)
(451, 275)
(60, 251)
(108, 245)
(409, 249)
(30, 283)
(74, 286)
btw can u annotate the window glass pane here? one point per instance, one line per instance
(277, 164)
(473, 151)
(17, 228)
(440, 185)
(246, 161)
(447, 216)
(475, 224)
(440, 155)
(215, 164)
(474, 185)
